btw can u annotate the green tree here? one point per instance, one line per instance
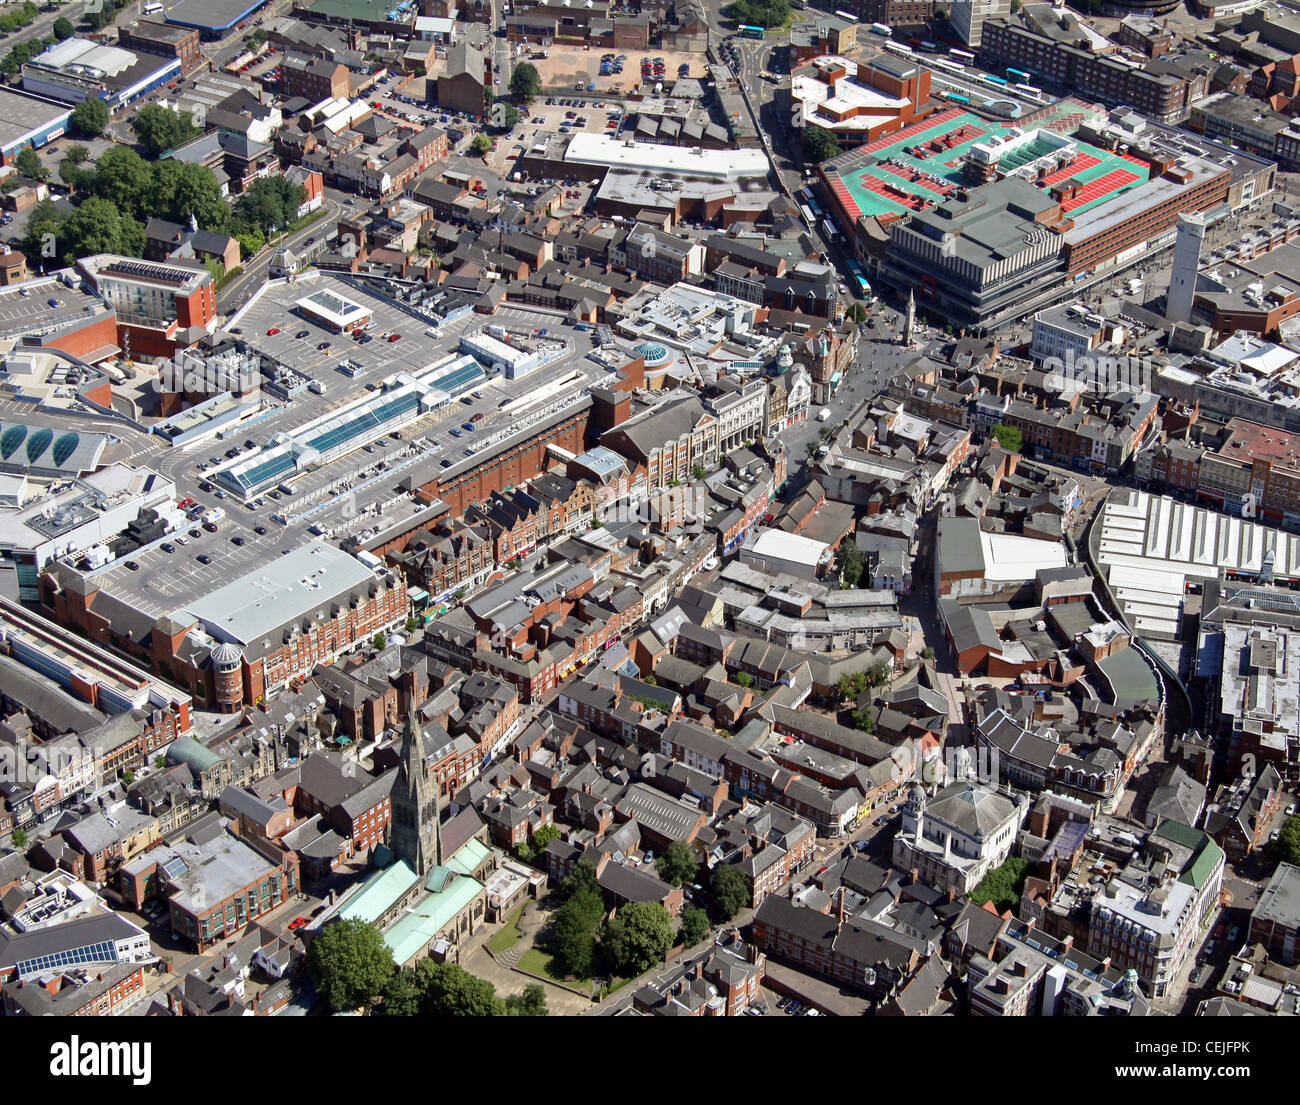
(481, 144)
(927, 653)
(160, 761)
(96, 226)
(760, 13)
(1015, 6)
(864, 719)
(852, 561)
(63, 28)
(583, 877)
(573, 931)
(123, 177)
(44, 231)
(250, 243)
(412, 624)
(350, 963)
(28, 162)
(879, 672)
(380, 641)
(857, 313)
(18, 838)
(182, 190)
(676, 864)
(1003, 885)
(160, 129)
(525, 82)
(852, 685)
(730, 894)
(531, 1002)
(1008, 437)
(638, 937)
(743, 679)
(256, 38)
(507, 117)
(694, 926)
(400, 997)
(1286, 848)
(448, 990)
(819, 144)
(699, 471)
(267, 202)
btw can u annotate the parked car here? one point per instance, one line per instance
(132, 566)
(203, 558)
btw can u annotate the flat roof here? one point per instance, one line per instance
(865, 185)
(599, 149)
(21, 116)
(278, 591)
(209, 15)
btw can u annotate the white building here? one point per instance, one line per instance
(955, 838)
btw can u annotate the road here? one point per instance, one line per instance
(235, 294)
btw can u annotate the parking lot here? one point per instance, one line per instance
(565, 68)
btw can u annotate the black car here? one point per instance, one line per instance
(203, 558)
(249, 444)
(132, 566)
(232, 453)
(236, 540)
(196, 532)
(168, 547)
(302, 333)
(323, 346)
(259, 530)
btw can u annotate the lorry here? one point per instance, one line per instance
(214, 515)
(824, 414)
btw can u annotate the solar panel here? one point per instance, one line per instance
(150, 272)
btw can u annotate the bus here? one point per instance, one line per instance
(928, 45)
(848, 17)
(956, 98)
(899, 49)
(829, 232)
(946, 65)
(860, 278)
(962, 56)
(807, 214)
(751, 32)
(1030, 89)
(995, 80)
(1018, 74)
(882, 29)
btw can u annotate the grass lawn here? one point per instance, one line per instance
(537, 962)
(509, 935)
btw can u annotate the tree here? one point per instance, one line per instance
(97, 226)
(1015, 6)
(1008, 437)
(525, 82)
(531, 1002)
(927, 653)
(857, 313)
(864, 719)
(730, 894)
(44, 229)
(699, 471)
(400, 997)
(638, 937)
(123, 177)
(90, 118)
(760, 13)
(267, 202)
(1286, 848)
(448, 990)
(850, 686)
(412, 624)
(63, 28)
(744, 679)
(573, 931)
(182, 191)
(250, 243)
(481, 144)
(350, 963)
(676, 864)
(28, 163)
(819, 144)
(18, 838)
(160, 761)
(257, 38)
(128, 777)
(504, 115)
(879, 672)
(1003, 885)
(694, 926)
(583, 877)
(379, 641)
(160, 129)
(852, 561)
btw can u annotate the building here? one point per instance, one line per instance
(78, 69)
(160, 307)
(28, 121)
(152, 36)
(955, 838)
(1187, 263)
(861, 101)
(1275, 920)
(460, 87)
(253, 637)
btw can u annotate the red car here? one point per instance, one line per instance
(273, 331)
(394, 337)
(185, 504)
(297, 923)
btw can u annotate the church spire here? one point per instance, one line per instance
(417, 835)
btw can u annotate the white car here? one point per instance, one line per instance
(1290, 810)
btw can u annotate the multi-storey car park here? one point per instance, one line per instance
(990, 220)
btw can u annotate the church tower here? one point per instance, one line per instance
(417, 835)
